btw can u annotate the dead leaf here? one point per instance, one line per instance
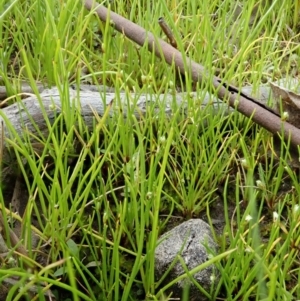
(287, 102)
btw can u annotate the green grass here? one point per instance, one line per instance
(101, 198)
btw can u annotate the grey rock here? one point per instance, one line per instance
(192, 240)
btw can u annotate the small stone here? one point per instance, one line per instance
(192, 238)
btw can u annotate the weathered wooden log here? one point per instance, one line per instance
(29, 114)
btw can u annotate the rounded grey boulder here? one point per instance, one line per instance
(192, 240)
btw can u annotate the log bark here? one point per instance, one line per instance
(32, 114)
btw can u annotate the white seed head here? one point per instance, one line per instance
(244, 163)
(285, 116)
(260, 184)
(248, 218)
(162, 139)
(275, 216)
